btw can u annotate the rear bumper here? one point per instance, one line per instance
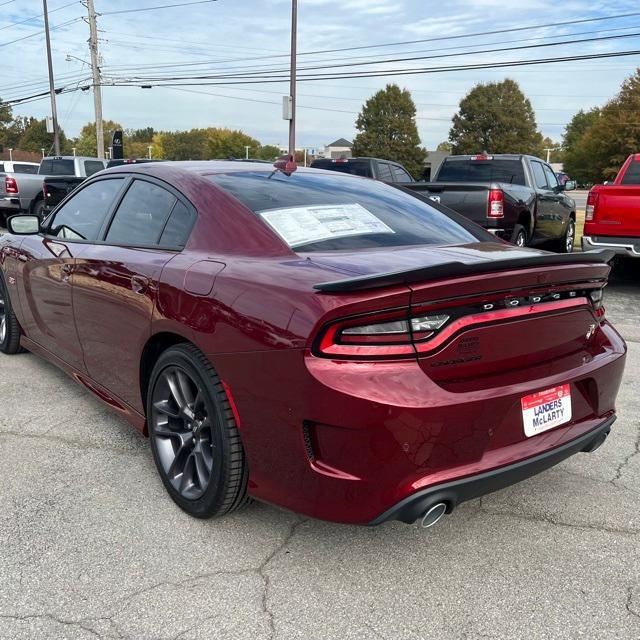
(453, 493)
(9, 203)
(629, 247)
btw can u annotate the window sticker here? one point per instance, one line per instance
(298, 226)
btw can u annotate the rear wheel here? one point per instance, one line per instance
(9, 328)
(194, 438)
(38, 209)
(519, 236)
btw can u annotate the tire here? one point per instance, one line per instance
(565, 244)
(194, 437)
(38, 209)
(519, 237)
(9, 327)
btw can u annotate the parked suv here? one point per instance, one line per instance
(368, 167)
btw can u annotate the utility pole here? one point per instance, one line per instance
(292, 91)
(246, 151)
(549, 150)
(52, 89)
(95, 71)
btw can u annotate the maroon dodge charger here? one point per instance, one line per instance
(331, 344)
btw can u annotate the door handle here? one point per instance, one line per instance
(139, 284)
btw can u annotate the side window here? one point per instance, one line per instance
(384, 172)
(178, 228)
(142, 215)
(539, 178)
(400, 175)
(552, 181)
(82, 216)
(1, 166)
(92, 166)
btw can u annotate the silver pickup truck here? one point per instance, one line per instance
(22, 192)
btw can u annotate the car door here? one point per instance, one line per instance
(546, 203)
(559, 204)
(116, 281)
(46, 269)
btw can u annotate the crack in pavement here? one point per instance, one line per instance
(80, 444)
(81, 624)
(626, 461)
(558, 523)
(630, 610)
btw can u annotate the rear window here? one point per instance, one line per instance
(319, 212)
(471, 170)
(632, 175)
(57, 167)
(92, 166)
(354, 167)
(25, 168)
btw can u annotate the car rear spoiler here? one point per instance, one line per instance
(453, 269)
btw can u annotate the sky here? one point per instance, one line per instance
(232, 36)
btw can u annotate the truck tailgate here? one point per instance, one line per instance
(617, 211)
(468, 199)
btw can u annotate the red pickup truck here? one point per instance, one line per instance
(612, 217)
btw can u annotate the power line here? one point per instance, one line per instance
(163, 6)
(38, 17)
(252, 73)
(39, 33)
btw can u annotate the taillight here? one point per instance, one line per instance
(592, 204)
(10, 185)
(495, 204)
(597, 300)
(381, 335)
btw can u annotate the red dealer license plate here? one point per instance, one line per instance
(545, 410)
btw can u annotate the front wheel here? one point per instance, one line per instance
(9, 328)
(194, 437)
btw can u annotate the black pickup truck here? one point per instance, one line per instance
(516, 197)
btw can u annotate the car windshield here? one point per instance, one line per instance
(632, 175)
(473, 170)
(320, 212)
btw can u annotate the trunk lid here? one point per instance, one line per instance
(468, 199)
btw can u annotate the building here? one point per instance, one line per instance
(341, 148)
(432, 163)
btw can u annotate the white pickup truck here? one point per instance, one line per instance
(22, 192)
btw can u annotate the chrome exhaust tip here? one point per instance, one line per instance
(433, 515)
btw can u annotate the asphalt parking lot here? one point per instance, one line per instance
(91, 547)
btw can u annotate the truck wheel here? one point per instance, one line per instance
(38, 209)
(519, 237)
(9, 328)
(565, 244)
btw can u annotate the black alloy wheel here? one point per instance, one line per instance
(194, 438)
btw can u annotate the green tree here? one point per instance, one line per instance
(578, 162)
(86, 144)
(387, 127)
(35, 137)
(444, 146)
(611, 136)
(268, 152)
(495, 117)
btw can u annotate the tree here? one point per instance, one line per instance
(6, 119)
(609, 137)
(86, 144)
(578, 162)
(444, 146)
(388, 129)
(268, 152)
(35, 137)
(495, 117)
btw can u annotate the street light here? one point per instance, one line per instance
(10, 155)
(246, 151)
(150, 148)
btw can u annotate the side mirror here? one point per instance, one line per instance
(570, 185)
(23, 225)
